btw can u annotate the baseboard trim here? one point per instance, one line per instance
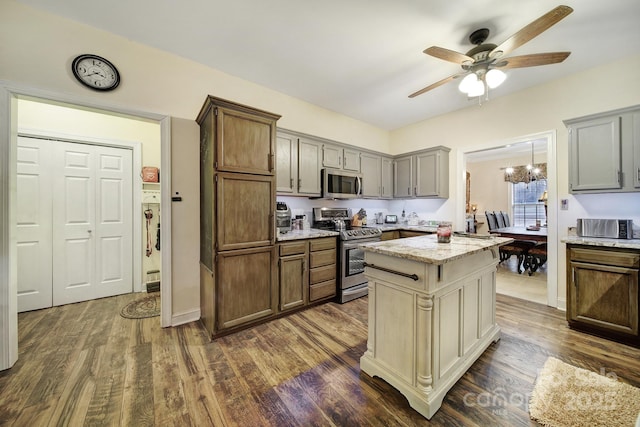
(185, 317)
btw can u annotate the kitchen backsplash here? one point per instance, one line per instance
(425, 209)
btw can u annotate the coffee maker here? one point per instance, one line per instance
(283, 218)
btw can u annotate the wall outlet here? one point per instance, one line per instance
(572, 231)
(564, 204)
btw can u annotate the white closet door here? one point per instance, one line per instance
(92, 222)
(33, 217)
(114, 222)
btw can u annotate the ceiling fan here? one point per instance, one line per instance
(482, 65)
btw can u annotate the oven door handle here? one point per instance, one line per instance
(388, 270)
(359, 186)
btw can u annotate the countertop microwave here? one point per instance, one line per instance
(339, 184)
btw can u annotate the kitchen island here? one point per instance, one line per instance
(431, 313)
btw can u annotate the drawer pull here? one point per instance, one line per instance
(388, 270)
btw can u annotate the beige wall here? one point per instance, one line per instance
(38, 48)
(74, 122)
(185, 216)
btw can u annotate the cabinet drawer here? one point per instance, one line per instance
(322, 290)
(293, 248)
(599, 256)
(320, 258)
(322, 244)
(322, 274)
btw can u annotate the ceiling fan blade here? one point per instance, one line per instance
(436, 84)
(530, 31)
(448, 55)
(532, 60)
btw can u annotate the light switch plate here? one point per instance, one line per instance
(564, 204)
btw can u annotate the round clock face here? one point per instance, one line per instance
(95, 72)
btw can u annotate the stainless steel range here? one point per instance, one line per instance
(352, 283)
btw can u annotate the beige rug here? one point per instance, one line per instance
(568, 396)
(142, 308)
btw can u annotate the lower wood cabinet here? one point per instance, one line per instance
(293, 274)
(246, 289)
(602, 291)
(307, 271)
(323, 269)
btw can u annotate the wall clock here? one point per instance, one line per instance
(95, 72)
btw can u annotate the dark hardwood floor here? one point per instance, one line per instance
(83, 364)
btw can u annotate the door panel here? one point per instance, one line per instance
(33, 218)
(114, 222)
(92, 223)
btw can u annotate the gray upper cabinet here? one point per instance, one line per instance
(636, 150)
(337, 157)
(287, 163)
(298, 165)
(432, 174)
(423, 174)
(351, 160)
(309, 157)
(371, 165)
(387, 178)
(603, 152)
(331, 156)
(596, 161)
(403, 177)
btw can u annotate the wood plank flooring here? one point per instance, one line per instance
(83, 364)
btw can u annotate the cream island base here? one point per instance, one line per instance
(431, 313)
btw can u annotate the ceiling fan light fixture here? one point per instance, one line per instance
(468, 83)
(477, 89)
(495, 78)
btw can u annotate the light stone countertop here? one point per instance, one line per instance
(601, 241)
(312, 233)
(427, 249)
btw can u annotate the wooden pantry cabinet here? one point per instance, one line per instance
(602, 291)
(238, 279)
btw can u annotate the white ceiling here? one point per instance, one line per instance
(362, 58)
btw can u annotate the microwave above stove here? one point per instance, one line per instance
(338, 184)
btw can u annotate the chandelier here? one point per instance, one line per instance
(529, 173)
(480, 81)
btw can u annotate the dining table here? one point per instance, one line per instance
(539, 234)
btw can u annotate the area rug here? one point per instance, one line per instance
(142, 308)
(564, 395)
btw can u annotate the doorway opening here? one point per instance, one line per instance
(10, 95)
(492, 189)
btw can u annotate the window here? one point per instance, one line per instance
(526, 205)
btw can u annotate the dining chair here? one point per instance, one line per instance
(500, 219)
(536, 257)
(491, 220)
(519, 248)
(507, 221)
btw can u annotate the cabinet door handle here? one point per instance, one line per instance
(304, 266)
(638, 174)
(415, 191)
(291, 183)
(408, 191)
(299, 184)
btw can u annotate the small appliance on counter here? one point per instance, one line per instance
(283, 218)
(609, 228)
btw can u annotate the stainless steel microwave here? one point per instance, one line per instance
(338, 184)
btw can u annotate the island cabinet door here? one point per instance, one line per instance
(246, 286)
